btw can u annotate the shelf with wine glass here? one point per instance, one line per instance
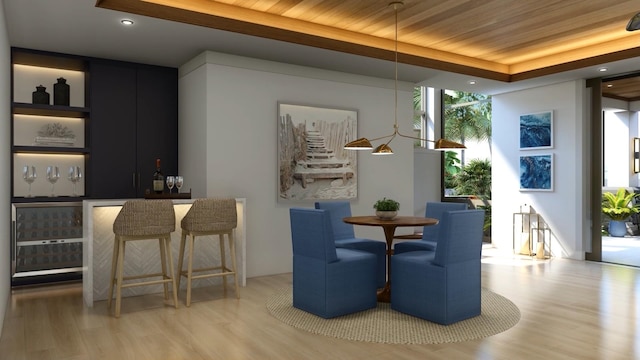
(49, 150)
(41, 188)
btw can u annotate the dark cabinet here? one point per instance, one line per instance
(135, 122)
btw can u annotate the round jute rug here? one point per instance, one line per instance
(384, 325)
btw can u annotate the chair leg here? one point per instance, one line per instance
(232, 250)
(171, 272)
(120, 275)
(180, 260)
(114, 264)
(223, 262)
(190, 268)
(163, 264)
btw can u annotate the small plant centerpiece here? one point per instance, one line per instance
(386, 208)
(619, 207)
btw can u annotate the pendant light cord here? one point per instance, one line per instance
(395, 7)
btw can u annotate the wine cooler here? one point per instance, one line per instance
(46, 242)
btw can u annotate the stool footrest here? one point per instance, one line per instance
(207, 269)
(204, 276)
(143, 276)
(152, 282)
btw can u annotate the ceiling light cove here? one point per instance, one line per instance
(526, 42)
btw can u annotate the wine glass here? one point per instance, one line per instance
(53, 174)
(179, 183)
(29, 175)
(75, 175)
(171, 180)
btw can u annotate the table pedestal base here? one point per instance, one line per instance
(384, 295)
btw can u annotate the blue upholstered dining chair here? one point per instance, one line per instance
(430, 234)
(442, 286)
(345, 237)
(328, 281)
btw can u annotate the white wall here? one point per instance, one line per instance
(5, 163)
(237, 158)
(561, 208)
(427, 177)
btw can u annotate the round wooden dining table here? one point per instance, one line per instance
(389, 227)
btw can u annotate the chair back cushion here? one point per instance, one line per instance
(311, 234)
(434, 210)
(460, 237)
(214, 214)
(145, 217)
(338, 210)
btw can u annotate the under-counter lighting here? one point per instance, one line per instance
(127, 22)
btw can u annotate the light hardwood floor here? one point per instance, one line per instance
(570, 310)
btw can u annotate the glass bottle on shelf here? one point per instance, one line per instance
(158, 179)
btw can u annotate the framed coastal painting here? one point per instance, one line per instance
(536, 131)
(536, 172)
(312, 164)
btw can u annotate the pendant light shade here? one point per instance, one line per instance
(359, 144)
(444, 144)
(383, 149)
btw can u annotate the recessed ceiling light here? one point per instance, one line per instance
(609, 85)
(472, 82)
(126, 22)
(603, 69)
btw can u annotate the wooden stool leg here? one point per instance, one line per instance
(120, 275)
(180, 260)
(114, 264)
(190, 268)
(223, 262)
(171, 272)
(163, 264)
(232, 250)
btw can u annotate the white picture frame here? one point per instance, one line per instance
(312, 162)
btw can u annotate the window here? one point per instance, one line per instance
(467, 120)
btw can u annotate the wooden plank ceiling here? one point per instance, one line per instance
(507, 40)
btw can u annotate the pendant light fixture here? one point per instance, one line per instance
(385, 149)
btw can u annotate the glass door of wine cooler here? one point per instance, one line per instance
(46, 242)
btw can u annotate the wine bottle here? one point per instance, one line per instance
(158, 179)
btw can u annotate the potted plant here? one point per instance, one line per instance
(618, 207)
(386, 208)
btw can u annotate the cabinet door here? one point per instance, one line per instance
(157, 122)
(113, 131)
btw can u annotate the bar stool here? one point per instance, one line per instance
(143, 220)
(216, 216)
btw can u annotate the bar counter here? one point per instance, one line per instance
(143, 256)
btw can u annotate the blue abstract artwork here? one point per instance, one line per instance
(536, 173)
(536, 130)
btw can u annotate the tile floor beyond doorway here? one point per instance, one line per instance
(621, 250)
